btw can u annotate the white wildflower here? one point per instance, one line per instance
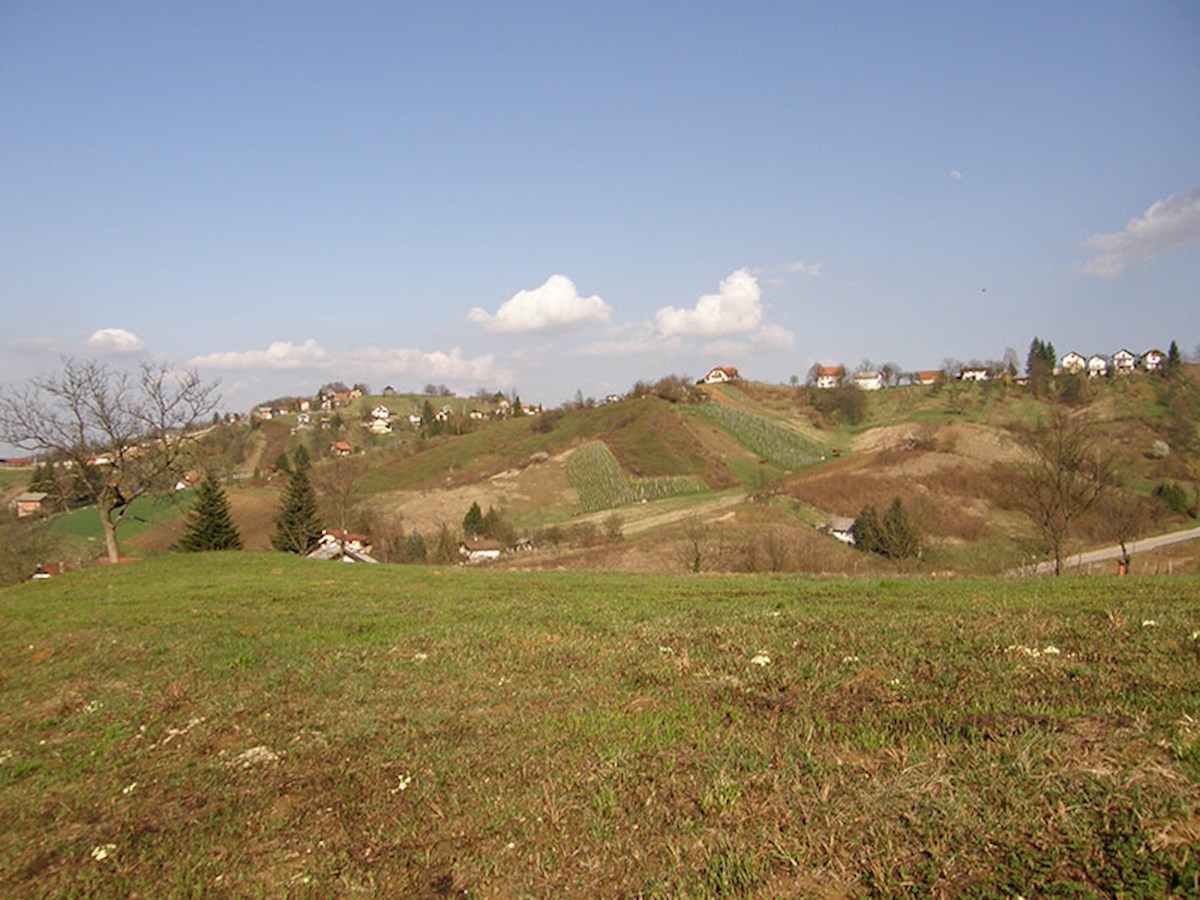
(93, 706)
(1149, 623)
(775, 614)
(761, 659)
(893, 682)
(103, 851)
(5, 756)
(1196, 635)
(666, 651)
(420, 657)
(847, 660)
(129, 788)
(402, 784)
(1051, 651)
(511, 845)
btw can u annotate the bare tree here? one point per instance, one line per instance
(1065, 472)
(125, 433)
(335, 481)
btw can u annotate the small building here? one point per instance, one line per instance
(868, 381)
(1123, 362)
(830, 376)
(930, 376)
(340, 448)
(975, 373)
(381, 412)
(389, 391)
(840, 527)
(721, 375)
(480, 551)
(1152, 360)
(1073, 363)
(30, 503)
(349, 548)
(379, 426)
(1097, 366)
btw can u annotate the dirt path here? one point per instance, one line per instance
(633, 524)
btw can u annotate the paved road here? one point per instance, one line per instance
(1136, 547)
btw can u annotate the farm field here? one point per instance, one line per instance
(259, 725)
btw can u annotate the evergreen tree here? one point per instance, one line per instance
(1173, 359)
(298, 524)
(899, 540)
(209, 524)
(473, 524)
(282, 464)
(867, 531)
(300, 458)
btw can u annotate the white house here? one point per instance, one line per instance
(1123, 362)
(840, 527)
(380, 426)
(1097, 366)
(473, 552)
(974, 374)
(1073, 363)
(721, 374)
(830, 376)
(1152, 360)
(868, 381)
(381, 412)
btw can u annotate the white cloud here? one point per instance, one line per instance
(956, 175)
(33, 345)
(776, 337)
(452, 366)
(735, 308)
(556, 305)
(279, 355)
(802, 268)
(1173, 222)
(115, 340)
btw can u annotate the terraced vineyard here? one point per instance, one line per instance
(766, 437)
(602, 484)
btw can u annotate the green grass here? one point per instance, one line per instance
(437, 731)
(141, 515)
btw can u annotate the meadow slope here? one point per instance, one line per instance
(259, 725)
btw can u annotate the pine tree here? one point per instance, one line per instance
(298, 524)
(300, 457)
(899, 540)
(473, 524)
(209, 524)
(866, 531)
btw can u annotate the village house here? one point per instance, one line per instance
(343, 546)
(868, 381)
(1073, 363)
(1123, 362)
(479, 551)
(380, 426)
(830, 376)
(975, 373)
(340, 448)
(930, 376)
(840, 527)
(1097, 366)
(721, 374)
(1152, 360)
(381, 412)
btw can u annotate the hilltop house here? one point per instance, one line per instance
(830, 376)
(975, 373)
(340, 448)
(1152, 360)
(840, 527)
(1073, 363)
(1097, 366)
(868, 381)
(721, 374)
(29, 503)
(345, 547)
(1123, 362)
(931, 376)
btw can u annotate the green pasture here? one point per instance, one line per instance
(141, 515)
(261, 725)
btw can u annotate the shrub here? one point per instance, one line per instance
(1174, 496)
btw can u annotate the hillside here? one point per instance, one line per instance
(734, 479)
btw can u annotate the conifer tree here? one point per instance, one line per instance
(298, 524)
(899, 540)
(473, 524)
(209, 524)
(867, 531)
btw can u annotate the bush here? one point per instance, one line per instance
(1175, 497)
(893, 537)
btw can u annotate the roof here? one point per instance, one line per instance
(32, 497)
(482, 546)
(830, 370)
(839, 523)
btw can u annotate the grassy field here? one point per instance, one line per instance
(142, 515)
(260, 725)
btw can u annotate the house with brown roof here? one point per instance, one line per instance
(930, 376)
(721, 374)
(830, 376)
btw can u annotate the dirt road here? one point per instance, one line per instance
(1091, 556)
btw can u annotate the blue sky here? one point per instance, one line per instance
(561, 196)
